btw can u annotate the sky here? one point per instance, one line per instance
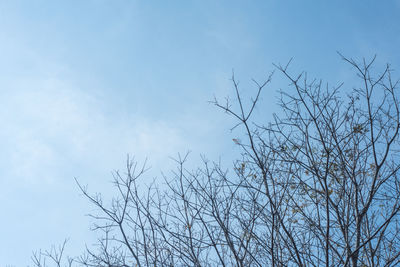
(85, 83)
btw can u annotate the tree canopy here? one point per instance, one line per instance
(317, 186)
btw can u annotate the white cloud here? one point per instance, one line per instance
(50, 127)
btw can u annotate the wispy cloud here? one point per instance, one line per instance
(50, 126)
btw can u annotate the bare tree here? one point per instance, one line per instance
(53, 257)
(318, 186)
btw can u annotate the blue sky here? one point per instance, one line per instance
(84, 83)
